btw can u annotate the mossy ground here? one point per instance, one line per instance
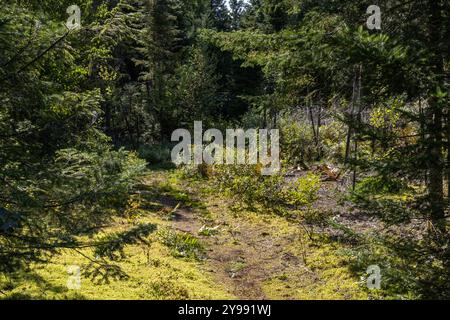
(250, 255)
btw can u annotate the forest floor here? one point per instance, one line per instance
(206, 247)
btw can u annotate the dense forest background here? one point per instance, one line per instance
(85, 112)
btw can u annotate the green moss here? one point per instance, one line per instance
(148, 270)
(152, 274)
(170, 264)
(324, 276)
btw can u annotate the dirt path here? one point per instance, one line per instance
(246, 251)
(242, 253)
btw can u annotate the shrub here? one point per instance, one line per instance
(304, 191)
(272, 192)
(182, 244)
(297, 143)
(333, 136)
(156, 154)
(249, 186)
(380, 185)
(316, 217)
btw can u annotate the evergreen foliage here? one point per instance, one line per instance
(77, 105)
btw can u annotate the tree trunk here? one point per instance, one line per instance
(448, 153)
(357, 100)
(435, 164)
(435, 117)
(356, 82)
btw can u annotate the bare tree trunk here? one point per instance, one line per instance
(448, 153)
(265, 117)
(349, 140)
(315, 127)
(138, 134)
(357, 100)
(319, 142)
(435, 116)
(435, 164)
(352, 118)
(313, 124)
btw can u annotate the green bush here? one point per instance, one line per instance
(333, 137)
(297, 143)
(304, 191)
(248, 184)
(380, 185)
(300, 147)
(156, 154)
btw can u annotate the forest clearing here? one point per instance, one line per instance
(205, 249)
(224, 150)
